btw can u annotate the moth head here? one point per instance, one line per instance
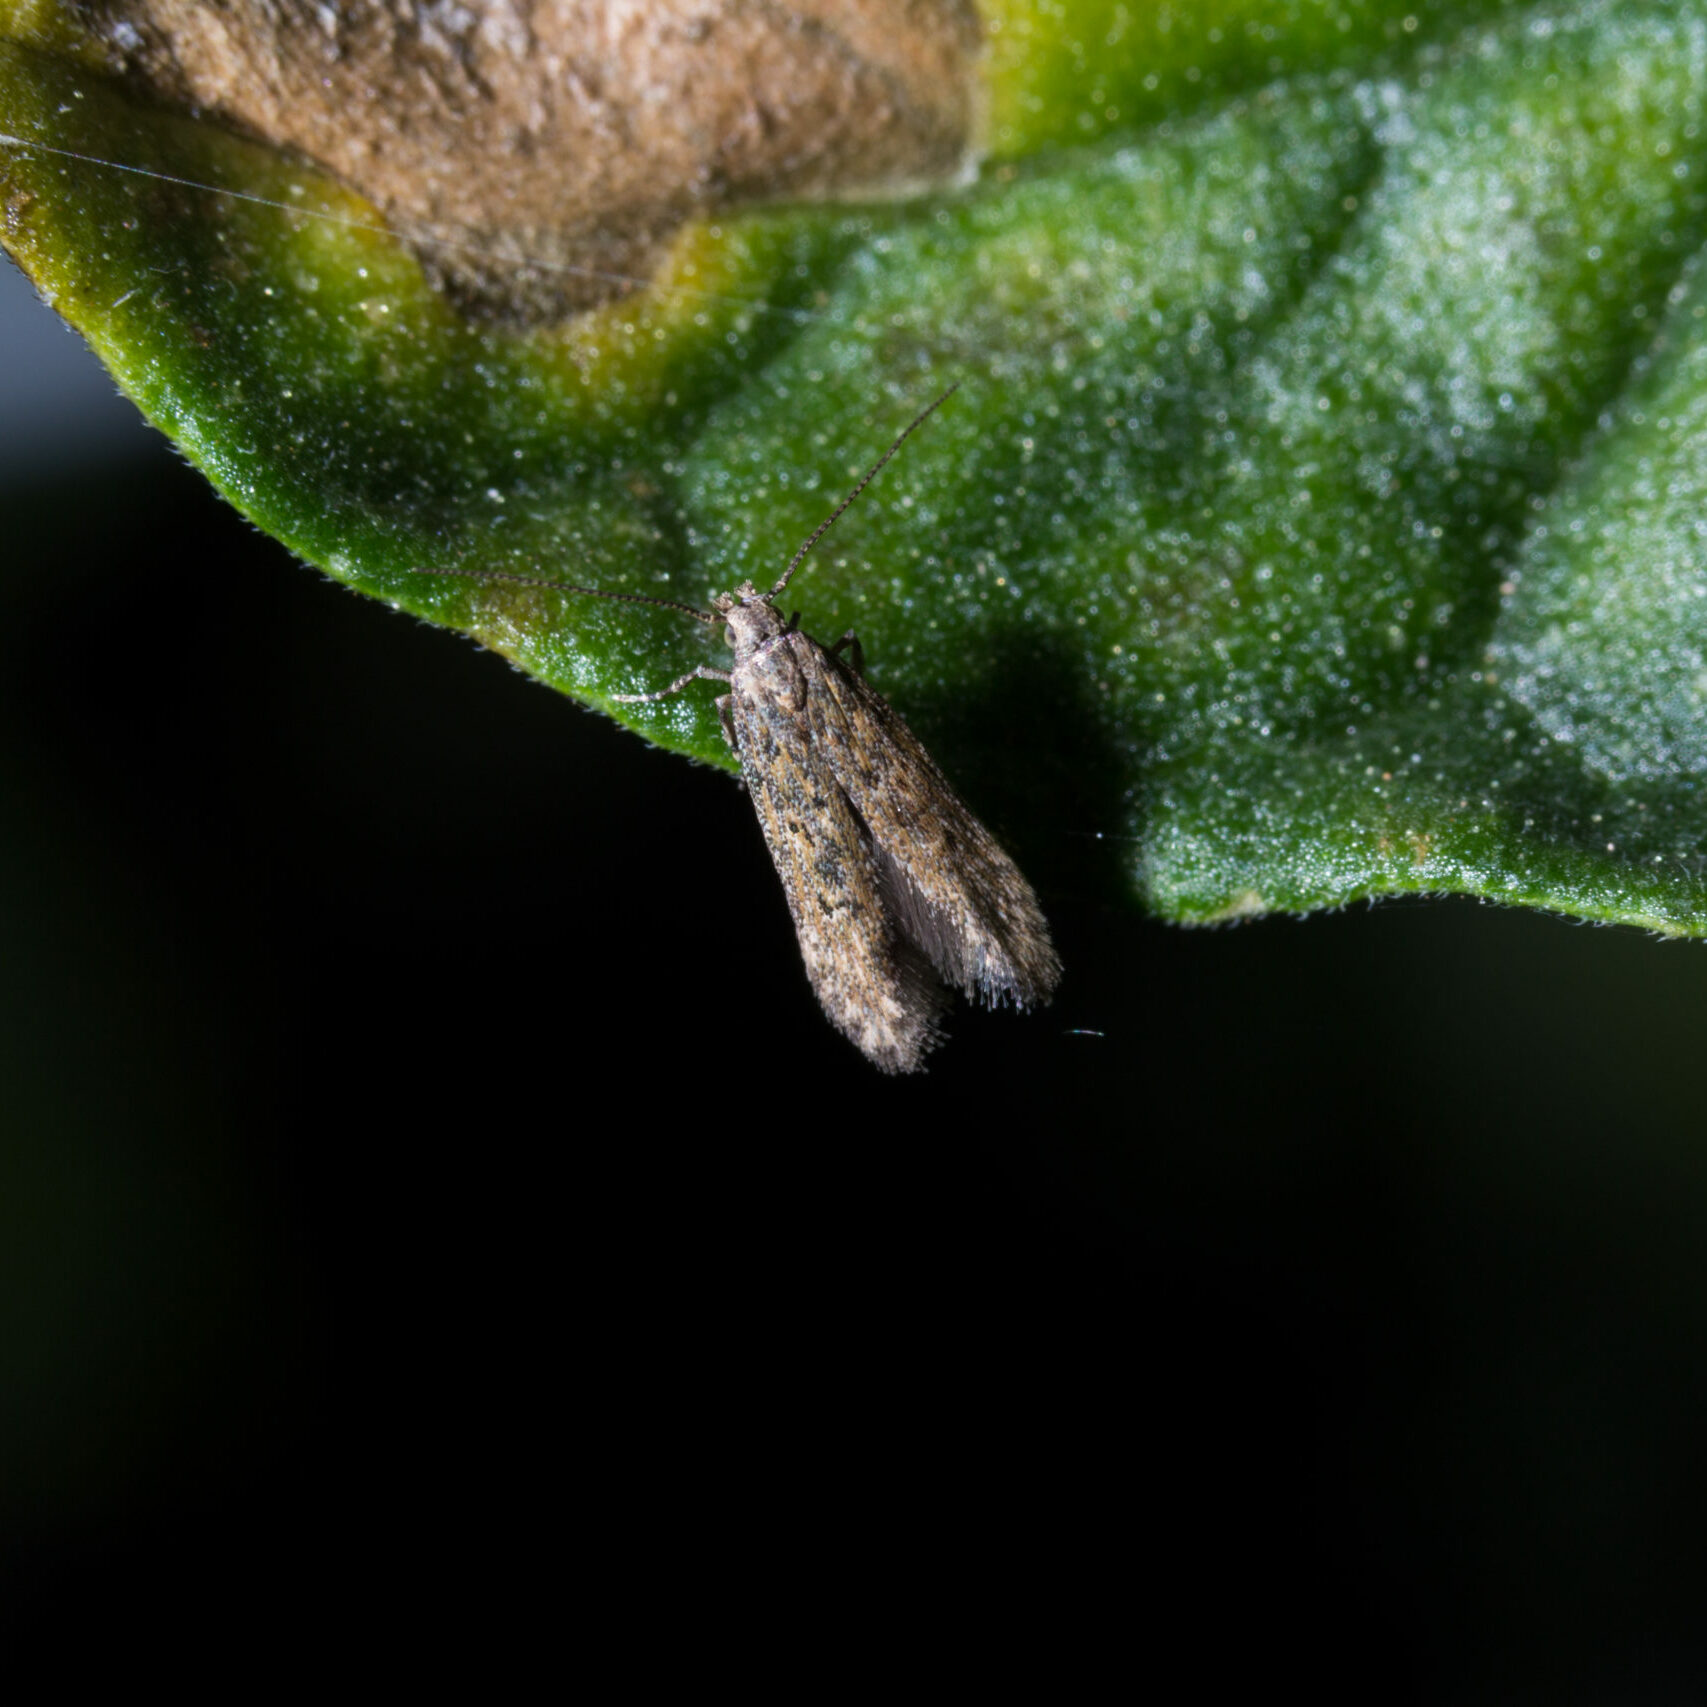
(749, 617)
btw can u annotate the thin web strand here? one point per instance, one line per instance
(948, 348)
(448, 245)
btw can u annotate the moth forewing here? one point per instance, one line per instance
(952, 891)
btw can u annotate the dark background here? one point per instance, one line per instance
(428, 1180)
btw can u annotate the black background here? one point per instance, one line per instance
(429, 1182)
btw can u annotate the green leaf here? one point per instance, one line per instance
(1320, 515)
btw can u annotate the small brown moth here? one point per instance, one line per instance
(895, 889)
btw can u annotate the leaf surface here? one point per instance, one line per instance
(1321, 515)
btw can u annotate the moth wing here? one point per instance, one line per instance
(951, 890)
(877, 988)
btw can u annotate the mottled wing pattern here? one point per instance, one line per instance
(948, 886)
(876, 987)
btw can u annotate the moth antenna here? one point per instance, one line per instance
(563, 587)
(830, 520)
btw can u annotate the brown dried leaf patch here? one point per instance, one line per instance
(539, 155)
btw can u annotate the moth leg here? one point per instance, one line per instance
(856, 657)
(726, 716)
(700, 672)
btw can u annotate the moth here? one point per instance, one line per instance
(898, 894)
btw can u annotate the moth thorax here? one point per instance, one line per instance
(751, 619)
